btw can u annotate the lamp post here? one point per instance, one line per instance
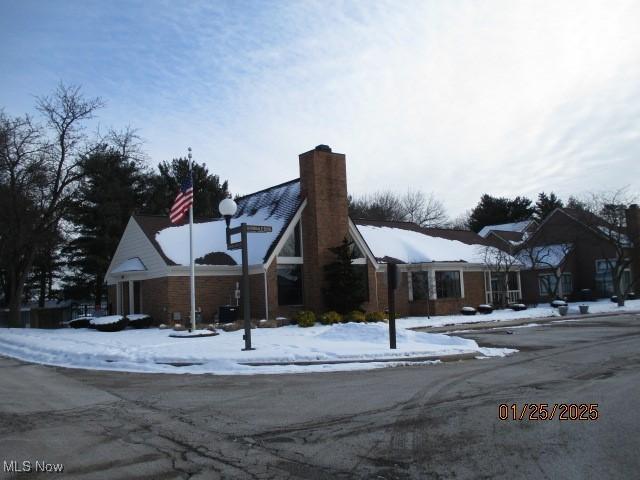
(228, 208)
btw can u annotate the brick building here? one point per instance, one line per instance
(440, 270)
(573, 250)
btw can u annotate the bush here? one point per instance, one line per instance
(80, 322)
(329, 318)
(355, 316)
(111, 323)
(139, 320)
(305, 318)
(375, 317)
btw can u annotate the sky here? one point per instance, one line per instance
(452, 97)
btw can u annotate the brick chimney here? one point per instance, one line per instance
(633, 232)
(325, 220)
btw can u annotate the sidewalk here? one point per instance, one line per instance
(459, 327)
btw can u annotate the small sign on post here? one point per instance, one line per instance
(258, 229)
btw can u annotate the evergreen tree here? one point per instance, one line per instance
(345, 290)
(498, 210)
(207, 189)
(545, 205)
(113, 186)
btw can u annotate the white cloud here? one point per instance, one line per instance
(460, 98)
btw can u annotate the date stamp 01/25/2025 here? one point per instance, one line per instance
(549, 411)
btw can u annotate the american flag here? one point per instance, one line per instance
(183, 202)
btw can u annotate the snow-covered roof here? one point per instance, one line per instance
(505, 227)
(411, 246)
(272, 207)
(130, 265)
(544, 256)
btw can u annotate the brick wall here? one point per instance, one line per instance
(323, 182)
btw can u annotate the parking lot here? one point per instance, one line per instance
(422, 421)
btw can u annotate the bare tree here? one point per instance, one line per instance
(546, 257)
(500, 264)
(39, 168)
(414, 206)
(605, 213)
(424, 210)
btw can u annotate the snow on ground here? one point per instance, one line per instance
(600, 306)
(152, 350)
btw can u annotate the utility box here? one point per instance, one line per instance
(227, 313)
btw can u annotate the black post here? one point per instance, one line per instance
(246, 297)
(392, 270)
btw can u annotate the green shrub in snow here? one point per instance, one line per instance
(355, 316)
(305, 318)
(375, 317)
(329, 318)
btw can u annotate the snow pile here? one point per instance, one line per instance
(152, 350)
(109, 319)
(415, 247)
(600, 306)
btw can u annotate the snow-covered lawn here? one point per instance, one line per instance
(600, 306)
(152, 350)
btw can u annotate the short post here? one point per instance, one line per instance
(246, 300)
(392, 283)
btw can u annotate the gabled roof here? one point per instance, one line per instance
(274, 207)
(409, 243)
(520, 227)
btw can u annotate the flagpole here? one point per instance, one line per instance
(191, 261)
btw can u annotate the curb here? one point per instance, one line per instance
(425, 358)
(521, 321)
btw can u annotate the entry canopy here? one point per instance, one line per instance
(131, 265)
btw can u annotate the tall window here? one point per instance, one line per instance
(567, 284)
(420, 285)
(604, 277)
(290, 284)
(547, 284)
(448, 284)
(291, 247)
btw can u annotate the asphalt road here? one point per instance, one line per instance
(428, 421)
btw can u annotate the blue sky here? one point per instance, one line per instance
(459, 98)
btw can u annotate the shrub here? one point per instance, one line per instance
(375, 317)
(355, 316)
(305, 318)
(329, 318)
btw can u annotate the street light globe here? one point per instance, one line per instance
(227, 207)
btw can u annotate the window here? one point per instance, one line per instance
(547, 284)
(604, 277)
(420, 285)
(291, 248)
(362, 272)
(567, 284)
(289, 285)
(448, 284)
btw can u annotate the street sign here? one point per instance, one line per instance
(234, 246)
(258, 229)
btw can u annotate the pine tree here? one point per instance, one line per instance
(207, 189)
(112, 188)
(498, 210)
(345, 290)
(545, 205)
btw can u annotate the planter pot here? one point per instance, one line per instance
(563, 309)
(485, 309)
(584, 309)
(558, 303)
